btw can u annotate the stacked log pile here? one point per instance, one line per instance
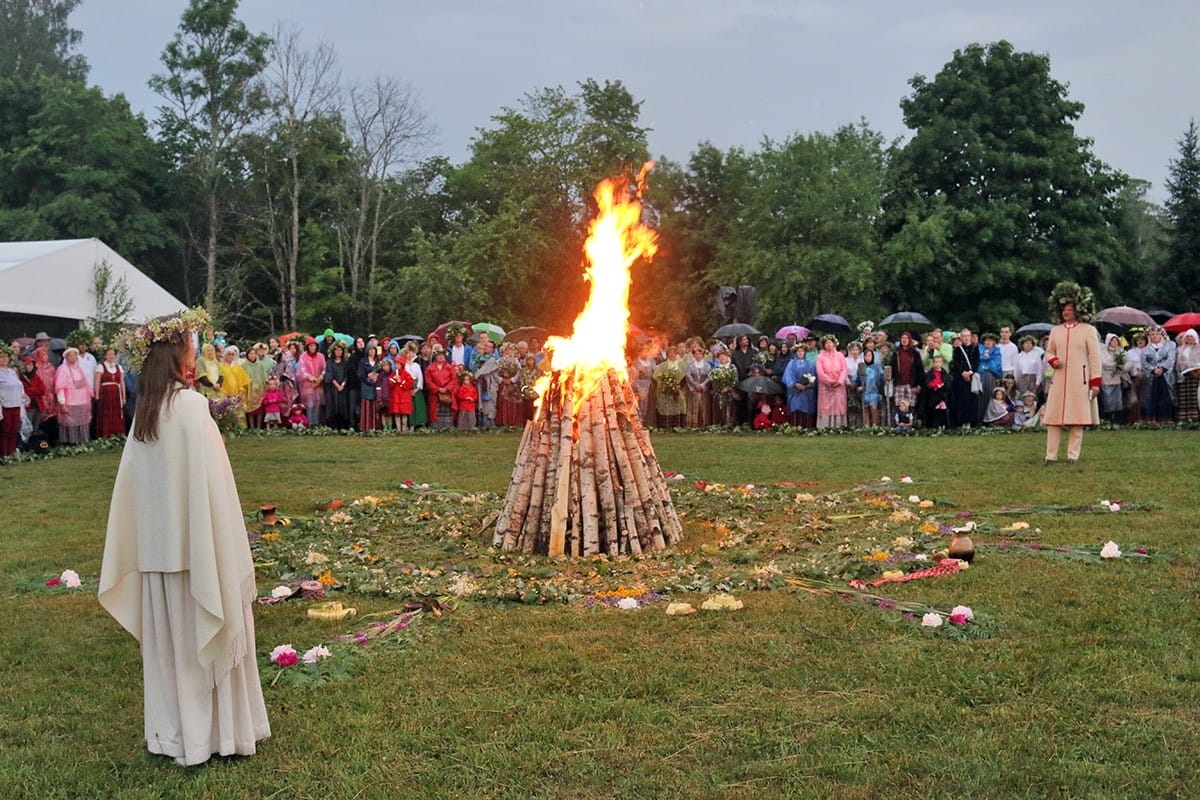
(586, 480)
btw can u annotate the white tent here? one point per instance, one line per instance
(55, 279)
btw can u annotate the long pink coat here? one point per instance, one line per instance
(1076, 348)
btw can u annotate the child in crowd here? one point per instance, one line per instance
(467, 398)
(999, 413)
(1032, 412)
(400, 404)
(778, 411)
(272, 404)
(297, 418)
(383, 394)
(904, 416)
(762, 420)
(1018, 414)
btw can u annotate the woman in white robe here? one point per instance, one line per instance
(177, 571)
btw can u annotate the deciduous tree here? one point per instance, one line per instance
(212, 95)
(996, 197)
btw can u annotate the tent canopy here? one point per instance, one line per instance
(54, 279)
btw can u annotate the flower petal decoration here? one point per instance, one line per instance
(282, 591)
(1110, 550)
(70, 579)
(627, 603)
(932, 620)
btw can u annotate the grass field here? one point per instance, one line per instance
(1089, 686)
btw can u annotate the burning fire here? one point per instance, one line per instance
(616, 239)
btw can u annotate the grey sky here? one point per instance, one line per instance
(727, 71)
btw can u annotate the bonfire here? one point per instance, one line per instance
(586, 480)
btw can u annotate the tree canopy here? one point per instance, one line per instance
(995, 197)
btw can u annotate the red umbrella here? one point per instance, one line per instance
(1181, 322)
(439, 333)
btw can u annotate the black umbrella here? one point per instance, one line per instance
(1160, 315)
(1035, 329)
(734, 330)
(906, 321)
(761, 384)
(409, 337)
(829, 323)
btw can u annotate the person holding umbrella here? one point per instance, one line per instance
(1073, 352)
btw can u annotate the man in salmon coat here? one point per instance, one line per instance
(1073, 352)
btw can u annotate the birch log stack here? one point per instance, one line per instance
(586, 480)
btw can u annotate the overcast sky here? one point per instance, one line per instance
(726, 71)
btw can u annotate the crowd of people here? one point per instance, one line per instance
(960, 380)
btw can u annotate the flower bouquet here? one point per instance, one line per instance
(668, 377)
(226, 412)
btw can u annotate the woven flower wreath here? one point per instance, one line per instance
(1079, 296)
(136, 340)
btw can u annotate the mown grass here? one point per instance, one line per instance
(1089, 689)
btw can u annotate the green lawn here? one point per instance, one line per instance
(1089, 686)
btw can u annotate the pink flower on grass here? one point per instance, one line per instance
(284, 656)
(70, 579)
(54, 582)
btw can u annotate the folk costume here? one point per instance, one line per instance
(1073, 352)
(110, 400)
(368, 405)
(12, 398)
(1187, 385)
(420, 413)
(1158, 379)
(73, 387)
(177, 574)
(510, 404)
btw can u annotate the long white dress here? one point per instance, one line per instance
(177, 574)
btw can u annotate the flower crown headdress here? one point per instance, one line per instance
(1079, 296)
(136, 340)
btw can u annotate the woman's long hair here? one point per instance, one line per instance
(160, 380)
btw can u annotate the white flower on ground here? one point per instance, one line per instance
(1114, 506)
(281, 591)
(1110, 550)
(905, 479)
(885, 479)
(315, 654)
(914, 498)
(627, 603)
(70, 579)
(932, 620)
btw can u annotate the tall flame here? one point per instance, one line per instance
(616, 239)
